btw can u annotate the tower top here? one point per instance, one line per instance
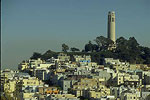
(111, 12)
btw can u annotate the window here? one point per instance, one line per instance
(113, 19)
(109, 19)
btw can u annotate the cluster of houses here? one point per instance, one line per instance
(77, 78)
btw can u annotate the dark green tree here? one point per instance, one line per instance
(121, 42)
(48, 54)
(132, 43)
(145, 54)
(65, 47)
(74, 49)
(36, 55)
(103, 42)
(88, 47)
(128, 50)
(95, 47)
(122, 48)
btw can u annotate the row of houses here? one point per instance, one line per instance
(63, 78)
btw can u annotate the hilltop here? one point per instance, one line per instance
(126, 50)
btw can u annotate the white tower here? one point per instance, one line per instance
(111, 25)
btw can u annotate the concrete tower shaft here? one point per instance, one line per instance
(111, 25)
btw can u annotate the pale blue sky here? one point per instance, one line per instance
(39, 25)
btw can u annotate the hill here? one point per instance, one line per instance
(126, 50)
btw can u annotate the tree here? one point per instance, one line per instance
(48, 54)
(95, 47)
(103, 42)
(74, 49)
(145, 54)
(132, 43)
(121, 44)
(128, 50)
(36, 55)
(121, 41)
(91, 47)
(88, 47)
(65, 47)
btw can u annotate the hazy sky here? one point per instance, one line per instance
(39, 25)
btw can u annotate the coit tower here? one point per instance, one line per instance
(111, 25)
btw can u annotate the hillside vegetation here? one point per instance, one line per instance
(126, 50)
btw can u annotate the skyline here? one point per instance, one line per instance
(29, 26)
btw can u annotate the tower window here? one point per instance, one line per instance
(109, 18)
(113, 19)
